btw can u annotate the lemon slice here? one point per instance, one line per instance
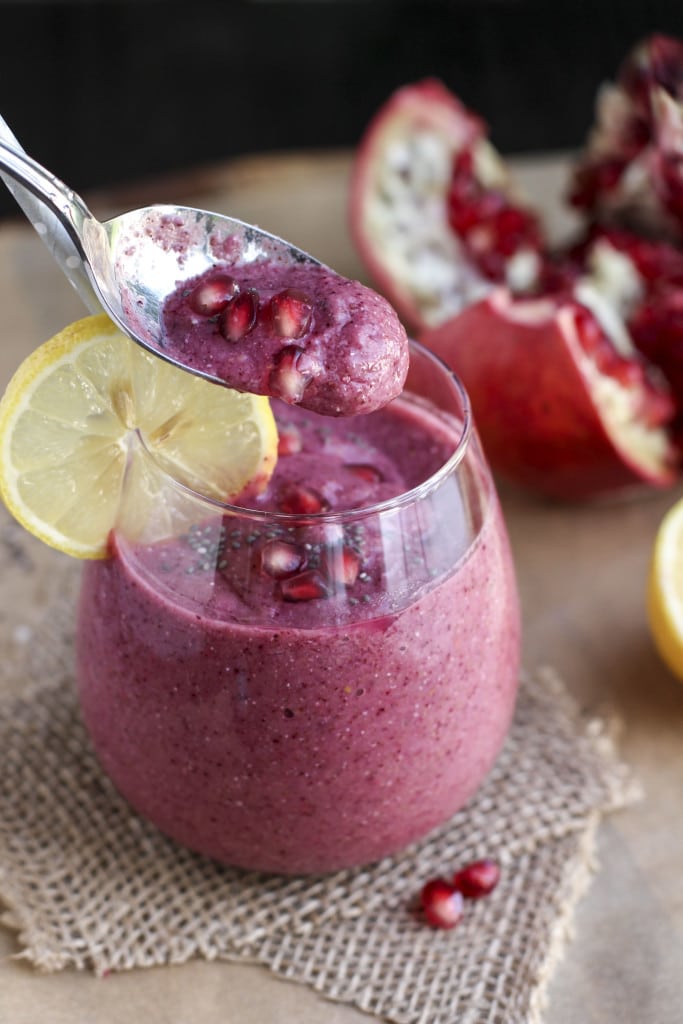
(90, 407)
(665, 590)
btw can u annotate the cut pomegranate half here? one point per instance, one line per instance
(432, 209)
(631, 171)
(559, 408)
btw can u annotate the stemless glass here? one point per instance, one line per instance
(302, 693)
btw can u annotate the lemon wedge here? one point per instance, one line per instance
(90, 407)
(665, 590)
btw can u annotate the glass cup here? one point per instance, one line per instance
(298, 692)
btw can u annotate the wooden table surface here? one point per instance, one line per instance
(582, 577)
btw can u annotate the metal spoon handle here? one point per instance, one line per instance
(54, 210)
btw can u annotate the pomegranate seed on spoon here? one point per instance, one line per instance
(239, 316)
(291, 312)
(212, 296)
(286, 381)
(442, 904)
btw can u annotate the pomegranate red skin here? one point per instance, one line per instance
(423, 104)
(537, 419)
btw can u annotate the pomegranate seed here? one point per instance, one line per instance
(592, 180)
(597, 344)
(489, 226)
(442, 904)
(342, 565)
(307, 586)
(299, 500)
(365, 471)
(212, 296)
(291, 312)
(289, 440)
(477, 879)
(280, 559)
(239, 316)
(286, 381)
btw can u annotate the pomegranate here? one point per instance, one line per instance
(433, 211)
(571, 358)
(631, 171)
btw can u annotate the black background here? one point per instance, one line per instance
(112, 92)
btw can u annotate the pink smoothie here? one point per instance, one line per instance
(299, 332)
(304, 727)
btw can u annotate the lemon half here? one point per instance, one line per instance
(665, 590)
(86, 408)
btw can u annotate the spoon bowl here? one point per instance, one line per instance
(129, 264)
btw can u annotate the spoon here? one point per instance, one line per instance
(129, 264)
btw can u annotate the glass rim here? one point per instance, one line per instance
(405, 498)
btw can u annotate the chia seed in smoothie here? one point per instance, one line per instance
(301, 693)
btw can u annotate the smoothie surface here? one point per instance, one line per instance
(298, 332)
(298, 573)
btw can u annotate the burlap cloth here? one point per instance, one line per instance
(88, 884)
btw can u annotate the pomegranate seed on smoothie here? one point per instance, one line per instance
(300, 333)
